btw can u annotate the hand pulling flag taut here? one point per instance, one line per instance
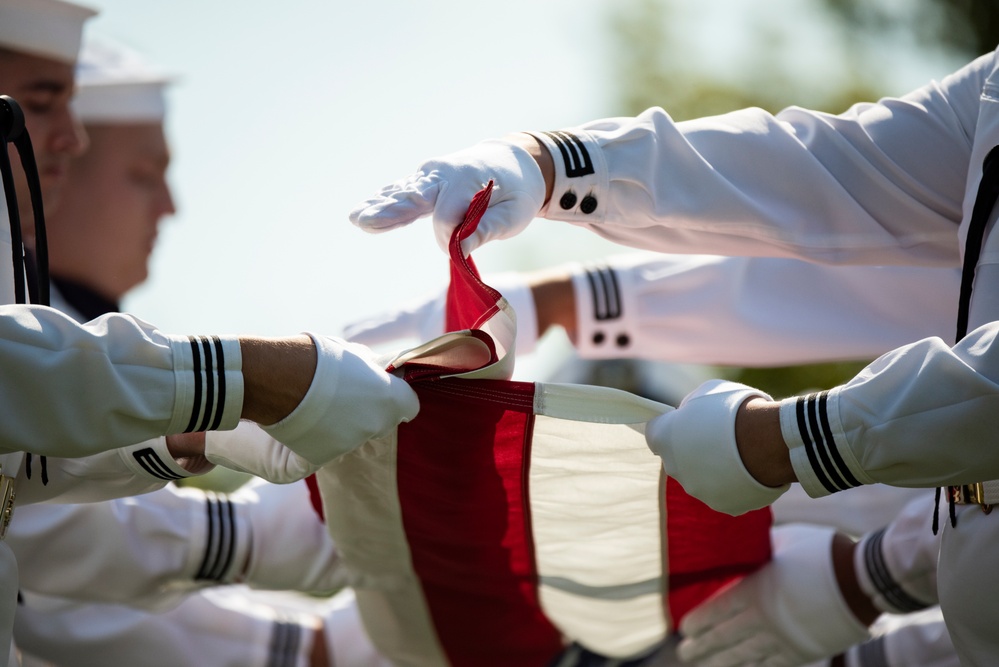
(509, 519)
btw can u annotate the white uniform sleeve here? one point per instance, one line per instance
(221, 629)
(176, 540)
(171, 541)
(855, 512)
(290, 546)
(74, 390)
(656, 306)
(116, 473)
(850, 188)
(913, 640)
(896, 565)
(916, 416)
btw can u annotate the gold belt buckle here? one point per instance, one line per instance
(972, 494)
(6, 503)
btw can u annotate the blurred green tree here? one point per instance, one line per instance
(965, 28)
(664, 55)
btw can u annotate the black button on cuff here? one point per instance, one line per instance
(598, 338)
(567, 201)
(623, 340)
(588, 205)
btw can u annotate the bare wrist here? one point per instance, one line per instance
(761, 444)
(186, 445)
(846, 577)
(319, 656)
(277, 373)
(554, 301)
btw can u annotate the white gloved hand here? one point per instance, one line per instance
(290, 547)
(248, 448)
(445, 186)
(697, 445)
(423, 319)
(351, 400)
(788, 613)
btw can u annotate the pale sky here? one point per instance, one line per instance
(286, 114)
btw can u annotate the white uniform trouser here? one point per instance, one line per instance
(8, 603)
(968, 585)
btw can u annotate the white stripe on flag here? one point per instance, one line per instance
(595, 513)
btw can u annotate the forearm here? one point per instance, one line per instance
(860, 604)
(277, 373)
(108, 383)
(117, 473)
(744, 311)
(760, 443)
(168, 540)
(150, 383)
(319, 397)
(898, 563)
(554, 300)
(697, 186)
(212, 628)
(916, 417)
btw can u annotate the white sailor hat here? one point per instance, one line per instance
(46, 28)
(116, 85)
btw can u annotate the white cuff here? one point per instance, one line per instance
(605, 322)
(152, 459)
(220, 538)
(822, 461)
(580, 176)
(208, 383)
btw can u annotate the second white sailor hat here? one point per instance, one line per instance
(116, 85)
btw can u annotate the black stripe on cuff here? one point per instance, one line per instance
(820, 445)
(220, 540)
(285, 642)
(220, 371)
(208, 367)
(872, 653)
(606, 293)
(575, 157)
(884, 582)
(209, 384)
(833, 450)
(806, 438)
(151, 462)
(196, 370)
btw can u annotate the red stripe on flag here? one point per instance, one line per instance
(315, 497)
(708, 549)
(464, 502)
(470, 302)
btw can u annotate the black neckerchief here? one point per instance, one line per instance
(84, 299)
